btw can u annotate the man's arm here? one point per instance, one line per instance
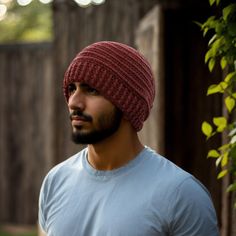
(40, 231)
(192, 211)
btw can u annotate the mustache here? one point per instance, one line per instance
(80, 114)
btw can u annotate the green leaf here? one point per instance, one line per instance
(213, 153)
(232, 132)
(231, 188)
(214, 88)
(222, 174)
(205, 31)
(233, 139)
(223, 63)
(220, 28)
(198, 23)
(220, 122)
(216, 45)
(230, 103)
(228, 10)
(230, 76)
(212, 39)
(217, 2)
(211, 64)
(206, 129)
(211, 2)
(210, 22)
(218, 160)
(223, 147)
(223, 85)
(225, 159)
(208, 55)
(217, 88)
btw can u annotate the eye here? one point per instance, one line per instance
(92, 91)
(89, 90)
(71, 89)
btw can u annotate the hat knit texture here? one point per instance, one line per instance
(120, 74)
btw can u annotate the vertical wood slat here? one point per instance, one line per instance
(25, 121)
(149, 40)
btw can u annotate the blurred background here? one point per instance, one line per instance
(38, 39)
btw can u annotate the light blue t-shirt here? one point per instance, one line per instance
(150, 196)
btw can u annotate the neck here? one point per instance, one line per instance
(115, 151)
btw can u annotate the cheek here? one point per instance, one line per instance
(100, 106)
(102, 114)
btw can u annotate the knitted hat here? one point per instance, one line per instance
(120, 74)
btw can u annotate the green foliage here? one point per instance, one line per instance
(222, 50)
(5, 233)
(31, 23)
(13, 231)
(207, 129)
(20, 234)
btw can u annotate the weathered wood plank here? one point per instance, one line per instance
(26, 128)
(149, 40)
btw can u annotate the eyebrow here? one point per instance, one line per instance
(87, 86)
(84, 85)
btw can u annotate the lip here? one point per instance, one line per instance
(77, 120)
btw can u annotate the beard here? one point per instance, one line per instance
(107, 125)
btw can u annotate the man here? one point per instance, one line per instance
(117, 186)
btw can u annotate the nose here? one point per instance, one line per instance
(76, 100)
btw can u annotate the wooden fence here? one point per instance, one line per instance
(26, 93)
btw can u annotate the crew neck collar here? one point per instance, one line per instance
(107, 174)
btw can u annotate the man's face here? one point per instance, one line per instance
(93, 117)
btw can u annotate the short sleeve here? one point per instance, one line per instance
(191, 211)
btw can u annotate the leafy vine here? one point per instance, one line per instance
(222, 50)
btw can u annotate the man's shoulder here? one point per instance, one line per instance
(171, 179)
(164, 169)
(177, 190)
(66, 167)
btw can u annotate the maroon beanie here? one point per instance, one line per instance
(120, 73)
